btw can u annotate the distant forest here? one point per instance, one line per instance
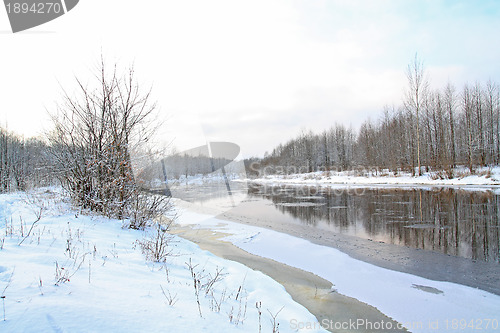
(22, 162)
(431, 130)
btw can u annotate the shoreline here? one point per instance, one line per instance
(388, 289)
(368, 185)
(485, 178)
(424, 263)
(311, 291)
(427, 264)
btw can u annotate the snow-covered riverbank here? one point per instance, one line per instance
(77, 273)
(420, 304)
(489, 177)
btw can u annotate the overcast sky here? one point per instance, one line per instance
(251, 72)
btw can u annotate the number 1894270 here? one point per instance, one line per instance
(36, 8)
(475, 324)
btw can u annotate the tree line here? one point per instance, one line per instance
(22, 162)
(433, 129)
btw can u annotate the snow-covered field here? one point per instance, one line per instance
(421, 305)
(483, 177)
(78, 273)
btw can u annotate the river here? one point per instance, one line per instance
(451, 221)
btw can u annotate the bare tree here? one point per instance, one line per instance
(493, 130)
(417, 87)
(450, 105)
(5, 165)
(467, 106)
(478, 106)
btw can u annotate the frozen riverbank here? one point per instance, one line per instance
(484, 178)
(419, 303)
(331, 308)
(78, 273)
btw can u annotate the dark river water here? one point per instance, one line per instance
(451, 221)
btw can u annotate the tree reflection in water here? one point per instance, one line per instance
(455, 222)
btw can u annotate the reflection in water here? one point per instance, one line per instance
(451, 221)
(455, 222)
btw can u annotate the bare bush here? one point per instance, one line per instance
(63, 273)
(275, 324)
(171, 300)
(240, 316)
(258, 306)
(196, 283)
(155, 246)
(95, 131)
(145, 208)
(38, 207)
(3, 297)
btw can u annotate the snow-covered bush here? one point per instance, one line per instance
(145, 208)
(155, 245)
(94, 135)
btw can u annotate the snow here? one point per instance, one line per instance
(81, 273)
(108, 286)
(484, 177)
(300, 204)
(420, 304)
